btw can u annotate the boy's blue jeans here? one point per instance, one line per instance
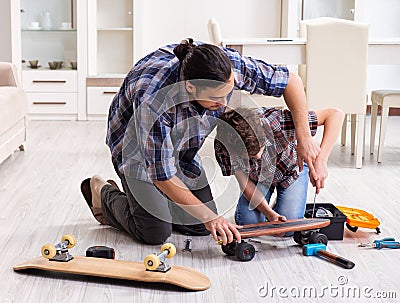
(291, 201)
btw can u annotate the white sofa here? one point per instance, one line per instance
(13, 112)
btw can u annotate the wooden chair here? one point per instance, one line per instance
(336, 68)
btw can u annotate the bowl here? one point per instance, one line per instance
(33, 63)
(53, 64)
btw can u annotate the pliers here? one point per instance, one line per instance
(383, 243)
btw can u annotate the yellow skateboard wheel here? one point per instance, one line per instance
(151, 262)
(49, 251)
(70, 239)
(171, 249)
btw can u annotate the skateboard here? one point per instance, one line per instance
(57, 258)
(356, 218)
(305, 232)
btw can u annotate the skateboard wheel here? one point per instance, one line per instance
(229, 249)
(318, 238)
(299, 238)
(151, 262)
(70, 239)
(170, 248)
(49, 251)
(245, 251)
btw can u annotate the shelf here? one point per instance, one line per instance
(47, 69)
(49, 30)
(116, 29)
(105, 81)
(108, 76)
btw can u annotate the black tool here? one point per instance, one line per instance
(100, 252)
(187, 245)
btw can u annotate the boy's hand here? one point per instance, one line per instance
(274, 216)
(321, 169)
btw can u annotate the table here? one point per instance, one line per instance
(293, 51)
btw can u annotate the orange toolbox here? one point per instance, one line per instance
(356, 218)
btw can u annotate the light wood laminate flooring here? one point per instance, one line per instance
(40, 201)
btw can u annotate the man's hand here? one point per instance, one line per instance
(308, 151)
(226, 230)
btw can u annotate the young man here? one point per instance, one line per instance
(258, 146)
(169, 102)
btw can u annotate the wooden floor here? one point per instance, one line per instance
(40, 201)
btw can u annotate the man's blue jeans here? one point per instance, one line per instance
(291, 201)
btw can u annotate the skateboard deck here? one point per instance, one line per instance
(305, 231)
(184, 277)
(275, 228)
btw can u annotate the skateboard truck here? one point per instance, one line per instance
(59, 252)
(156, 262)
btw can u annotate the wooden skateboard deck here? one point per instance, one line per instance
(275, 228)
(305, 231)
(184, 277)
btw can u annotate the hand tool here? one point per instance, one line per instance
(319, 249)
(382, 243)
(187, 245)
(313, 209)
(99, 251)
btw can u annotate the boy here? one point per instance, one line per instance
(258, 146)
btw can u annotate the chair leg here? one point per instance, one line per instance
(344, 130)
(363, 136)
(360, 135)
(374, 113)
(382, 132)
(353, 132)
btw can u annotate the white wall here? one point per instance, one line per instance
(382, 15)
(383, 18)
(5, 31)
(160, 22)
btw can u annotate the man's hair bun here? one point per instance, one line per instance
(182, 49)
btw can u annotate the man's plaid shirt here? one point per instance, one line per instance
(155, 131)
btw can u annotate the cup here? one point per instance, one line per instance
(34, 25)
(66, 25)
(33, 63)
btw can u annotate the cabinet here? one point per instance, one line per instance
(51, 94)
(110, 47)
(100, 93)
(50, 31)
